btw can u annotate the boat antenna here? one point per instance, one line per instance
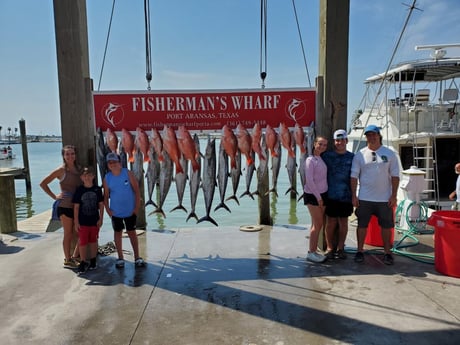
(411, 9)
(263, 41)
(106, 45)
(301, 42)
(148, 47)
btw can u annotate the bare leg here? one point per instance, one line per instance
(134, 243)
(330, 232)
(317, 215)
(386, 237)
(93, 250)
(67, 224)
(343, 232)
(361, 236)
(118, 243)
(83, 252)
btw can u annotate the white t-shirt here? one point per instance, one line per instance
(374, 170)
(457, 189)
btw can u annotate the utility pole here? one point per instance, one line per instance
(333, 67)
(75, 85)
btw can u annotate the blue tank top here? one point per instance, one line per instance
(121, 199)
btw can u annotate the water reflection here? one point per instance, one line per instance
(293, 219)
(24, 207)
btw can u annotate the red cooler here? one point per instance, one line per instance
(374, 235)
(446, 242)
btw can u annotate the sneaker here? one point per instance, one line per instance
(330, 255)
(388, 259)
(340, 254)
(83, 267)
(120, 263)
(92, 264)
(315, 257)
(139, 262)
(359, 257)
(70, 263)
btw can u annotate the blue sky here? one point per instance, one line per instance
(202, 44)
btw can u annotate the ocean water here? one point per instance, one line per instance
(44, 157)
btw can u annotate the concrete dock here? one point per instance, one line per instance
(221, 286)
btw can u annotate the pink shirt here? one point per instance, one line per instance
(315, 176)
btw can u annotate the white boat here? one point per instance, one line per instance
(414, 104)
(6, 152)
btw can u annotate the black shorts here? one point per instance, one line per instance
(68, 212)
(381, 210)
(118, 224)
(338, 209)
(311, 199)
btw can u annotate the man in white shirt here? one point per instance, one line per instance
(376, 167)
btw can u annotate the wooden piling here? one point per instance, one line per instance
(25, 155)
(8, 222)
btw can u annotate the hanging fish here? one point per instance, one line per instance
(230, 143)
(291, 166)
(157, 144)
(112, 140)
(256, 138)
(271, 138)
(127, 141)
(249, 173)
(143, 143)
(262, 169)
(209, 179)
(222, 177)
(171, 146)
(195, 180)
(152, 176)
(276, 165)
(101, 152)
(138, 166)
(302, 160)
(165, 180)
(299, 136)
(286, 139)
(235, 174)
(181, 181)
(244, 143)
(187, 146)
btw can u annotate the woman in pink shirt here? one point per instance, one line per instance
(315, 195)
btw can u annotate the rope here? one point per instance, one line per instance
(148, 53)
(301, 42)
(106, 45)
(263, 41)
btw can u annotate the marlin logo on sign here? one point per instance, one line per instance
(113, 114)
(295, 109)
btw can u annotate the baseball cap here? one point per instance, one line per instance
(112, 156)
(372, 128)
(340, 134)
(87, 170)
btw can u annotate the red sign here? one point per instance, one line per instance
(203, 110)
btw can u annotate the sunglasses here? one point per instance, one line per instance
(374, 157)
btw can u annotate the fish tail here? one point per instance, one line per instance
(150, 202)
(301, 197)
(222, 205)
(273, 190)
(291, 189)
(207, 218)
(192, 215)
(179, 207)
(158, 210)
(247, 193)
(233, 197)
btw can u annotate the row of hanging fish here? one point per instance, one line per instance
(176, 156)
